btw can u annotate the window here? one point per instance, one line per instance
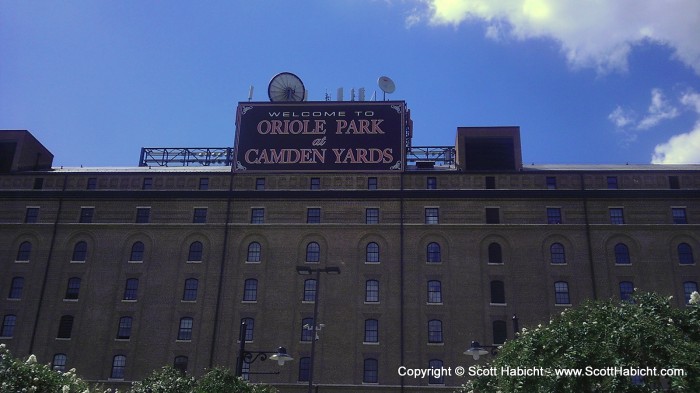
(304, 369)
(73, 288)
(24, 251)
(147, 183)
(617, 215)
(626, 290)
(493, 215)
(435, 331)
(203, 183)
(254, 251)
(431, 183)
(495, 253)
(372, 291)
(557, 254)
(195, 252)
(124, 328)
(32, 215)
(86, 214)
(432, 215)
(249, 328)
(685, 254)
(499, 329)
(180, 364)
(432, 378)
(307, 329)
(257, 215)
(59, 362)
(433, 252)
(674, 183)
(622, 254)
(131, 289)
(16, 287)
(137, 250)
(553, 215)
(561, 292)
(91, 183)
(189, 294)
(371, 331)
(313, 252)
(8, 325)
(184, 333)
(143, 215)
(200, 215)
(678, 214)
(372, 215)
(313, 215)
(551, 183)
(370, 373)
(688, 288)
(260, 183)
(315, 183)
(250, 290)
(79, 252)
(612, 182)
(371, 183)
(498, 292)
(434, 291)
(65, 326)
(118, 366)
(490, 182)
(309, 290)
(372, 254)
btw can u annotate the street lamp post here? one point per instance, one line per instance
(249, 357)
(305, 270)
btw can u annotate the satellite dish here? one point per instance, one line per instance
(386, 84)
(286, 86)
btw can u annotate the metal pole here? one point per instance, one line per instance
(515, 325)
(241, 350)
(313, 327)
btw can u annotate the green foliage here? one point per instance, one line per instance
(645, 333)
(218, 380)
(29, 376)
(165, 380)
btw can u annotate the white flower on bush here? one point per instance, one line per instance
(31, 359)
(695, 298)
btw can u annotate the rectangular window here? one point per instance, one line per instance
(203, 183)
(617, 215)
(551, 183)
(612, 182)
(434, 292)
(257, 215)
(432, 215)
(315, 183)
(250, 290)
(561, 292)
(493, 215)
(91, 183)
(372, 215)
(674, 182)
(678, 214)
(86, 214)
(131, 289)
(16, 288)
(190, 292)
(553, 215)
(32, 215)
(371, 183)
(185, 331)
(371, 331)
(200, 215)
(313, 215)
(260, 183)
(65, 327)
(431, 183)
(124, 329)
(147, 183)
(143, 215)
(490, 182)
(38, 183)
(372, 291)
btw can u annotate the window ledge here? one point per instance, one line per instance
(558, 263)
(184, 341)
(372, 303)
(623, 264)
(562, 304)
(21, 261)
(498, 304)
(77, 261)
(62, 338)
(434, 303)
(122, 339)
(372, 263)
(13, 299)
(129, 300)
(307, 302)
(249, 301)
(134, 261)
(370, 343)
(188, 301)
(194, 262)
(495, 263)
(70, 300)
(5, 337)
(253, 262)
(436, 344)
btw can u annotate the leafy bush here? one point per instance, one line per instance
(218, 380)
(165, 380)
(29, 376)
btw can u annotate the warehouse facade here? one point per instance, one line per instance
(119, 271)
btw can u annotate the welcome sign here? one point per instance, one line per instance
(321, 136)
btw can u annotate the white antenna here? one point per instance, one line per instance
(386, 84)
(250, 93)
(374, 96)
(340, 94)
(362, 93)
(352, 94)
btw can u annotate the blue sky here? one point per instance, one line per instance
(605, 82)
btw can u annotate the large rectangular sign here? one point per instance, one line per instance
(320, 136)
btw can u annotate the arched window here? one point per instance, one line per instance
(79, 252)
(499, 332)
(561, 292)
(622, 254)
(24, 251)
(59, 362)
(195, 253)
(65, 326)
(307, 329)
(498, 292)
(16, 287)
(685, 254)
(313, 252)
(189, 294)
(432, 379)
(137, 252)
(435, 331)
(254, 252)
(8, 325)
(626, 290)
(495, 253)
(124, 329)
(433, 253)
(309, 290)
(73, 288)
(372, 255)
(131, 289)
(434, 291)
(557, 254)
(118, 366)
(180, 364)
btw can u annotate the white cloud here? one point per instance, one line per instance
(594, 33)
(659, 110)
(680, 149)
(621, 117)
